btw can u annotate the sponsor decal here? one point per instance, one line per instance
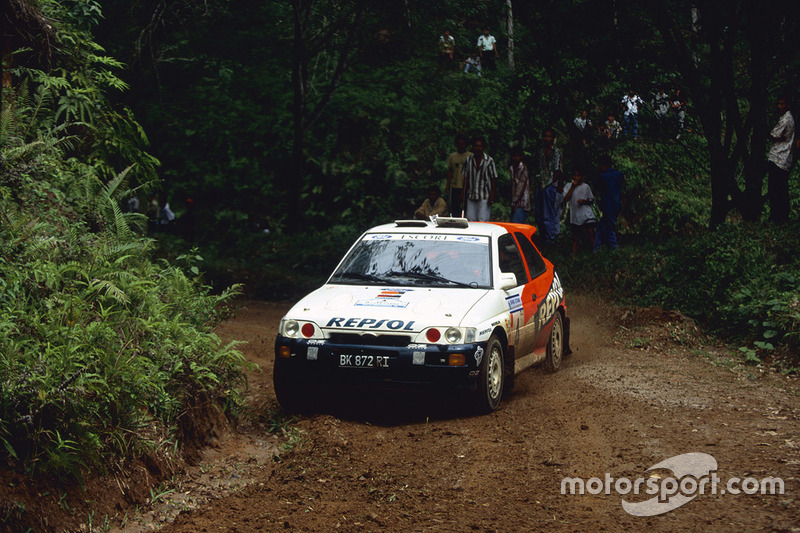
(495, 323)
(478, 356)
(514, 302)
(393, 293)
(424, 237)
(381, 302)
(370, 323)
(484, 332)
(417, 346)
(316, 341)
(549, 306)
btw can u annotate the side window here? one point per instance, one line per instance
(535, 262)
(510, 258)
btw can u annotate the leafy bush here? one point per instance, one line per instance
(102, 349)
(740, 280)
(96, 338)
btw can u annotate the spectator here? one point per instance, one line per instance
(609, 188)
(520, 187)
(447, 46)
(473, 64)
(487, 47)
(678, 111)
(455, 175)
(630, 106)
(779, 162)
(480, 180)
(553, 199)
(433, 205)
(613, 127)
(661, 107)
(549, 162)
(583, 124)
(581, 215)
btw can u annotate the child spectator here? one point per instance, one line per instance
(581, 215)
(520, 187)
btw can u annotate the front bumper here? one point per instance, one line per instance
(389, 367)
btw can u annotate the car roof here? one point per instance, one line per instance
(453, 226)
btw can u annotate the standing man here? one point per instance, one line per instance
(584, 126)
(447, 45)
(779, 162)
(455, 175)
(661, 106)
(480, 177)
(520, 187)
(630, 107)
(609, 187)
(487, 47)
(549, 163)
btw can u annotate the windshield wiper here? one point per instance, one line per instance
(359, 276)
(431, 277)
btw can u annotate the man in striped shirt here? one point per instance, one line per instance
(480, 180)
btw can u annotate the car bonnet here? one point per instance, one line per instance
(376, 308)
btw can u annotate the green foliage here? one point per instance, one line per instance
(102, 348)
(740, 280)
(95, 335)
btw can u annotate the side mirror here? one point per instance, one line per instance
(508, 280)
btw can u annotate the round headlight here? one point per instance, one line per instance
(307, 330)
(290, 328)
(453, 335)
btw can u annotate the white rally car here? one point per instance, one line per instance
(442, 303)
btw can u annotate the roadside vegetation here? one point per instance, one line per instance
(105, 351)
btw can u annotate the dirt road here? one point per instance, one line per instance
(639, 389)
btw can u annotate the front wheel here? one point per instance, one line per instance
(555, 346)
(490, 380)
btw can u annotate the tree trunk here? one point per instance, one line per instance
(510, 30)
(293, 179)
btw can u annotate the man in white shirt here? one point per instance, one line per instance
(487, 47)
(630, 107)
(779, 162)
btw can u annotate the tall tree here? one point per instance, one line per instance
(324, 36)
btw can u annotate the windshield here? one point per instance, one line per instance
(418, 260)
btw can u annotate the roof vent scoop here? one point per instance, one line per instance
(451, 222)
(411, 223)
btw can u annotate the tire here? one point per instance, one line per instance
(491, 377)
(292, 395)
(555, 346)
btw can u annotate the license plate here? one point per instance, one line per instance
(363, 361)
